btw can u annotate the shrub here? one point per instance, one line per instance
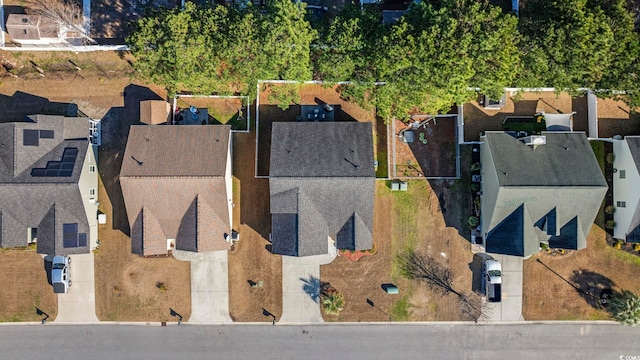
(473, 221)
(609, 210)
(333, 303)
(618, 245)
(544, 246)
(161, 286)
(636, 246)
(610, 224)
(373, 250)
(475, 166)
(609, 158)
(475, 187)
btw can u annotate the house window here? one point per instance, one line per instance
(621, 204)
(92, 168)
(623, 174)
(92, 192)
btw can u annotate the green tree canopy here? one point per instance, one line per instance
(571, 44)
(350, 49)
(222, 49)
(435, 54)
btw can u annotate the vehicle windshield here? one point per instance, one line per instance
(58, 266)
(493, 273)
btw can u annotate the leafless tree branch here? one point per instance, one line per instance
(66, 13)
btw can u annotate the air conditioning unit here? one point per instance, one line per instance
(535, 140)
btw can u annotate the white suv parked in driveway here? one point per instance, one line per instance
(61, 274)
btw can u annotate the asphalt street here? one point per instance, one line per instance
(340, 341)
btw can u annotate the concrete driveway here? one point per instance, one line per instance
(301, 287)
(209, 286)
(510, 309)
(79, 304)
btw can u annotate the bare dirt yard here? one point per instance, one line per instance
(616, 118)
(251, 259)
(568, 287)
(96, 88)
(477, 119)
(402, 220)
(432, 153)
(25, 287)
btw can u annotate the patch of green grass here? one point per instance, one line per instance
(406, 227)
(626, 257)
(383, 167)
(400, 309)
(598, 149)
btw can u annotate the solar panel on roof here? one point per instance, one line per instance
(62, 168)
(82, 239)
(38, 172)
(30, 137)
(46, 134)
(70, 235)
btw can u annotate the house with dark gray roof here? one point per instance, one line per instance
(48, 185)
(539, 189)
(626, 188)
(322, 184)
(176, 184)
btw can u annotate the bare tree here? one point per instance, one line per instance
(438, 277)
(417, 266)
(67, 14)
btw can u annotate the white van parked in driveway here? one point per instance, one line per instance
(61, 274)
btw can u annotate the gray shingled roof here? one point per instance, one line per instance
(565, 160)
(174, 187)
(315, 192)
(321, 149)
(549, 193)
(44, 202)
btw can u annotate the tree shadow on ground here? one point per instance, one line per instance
(476, 270)
(592, 287)
(115, 127)
(313, 287)
(48, 265)
(454, 196)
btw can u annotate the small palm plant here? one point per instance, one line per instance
(625, 308)
(332, 302)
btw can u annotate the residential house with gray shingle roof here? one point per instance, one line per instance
(540, 189)
(48, 182)
(176, 183)
(322, 185)
(626, 188)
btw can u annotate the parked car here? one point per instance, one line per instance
(493, 280)
(61, 274)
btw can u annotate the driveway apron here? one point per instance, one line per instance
(209, 286)
(510, 309)
(79, 304)
(301, 287)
